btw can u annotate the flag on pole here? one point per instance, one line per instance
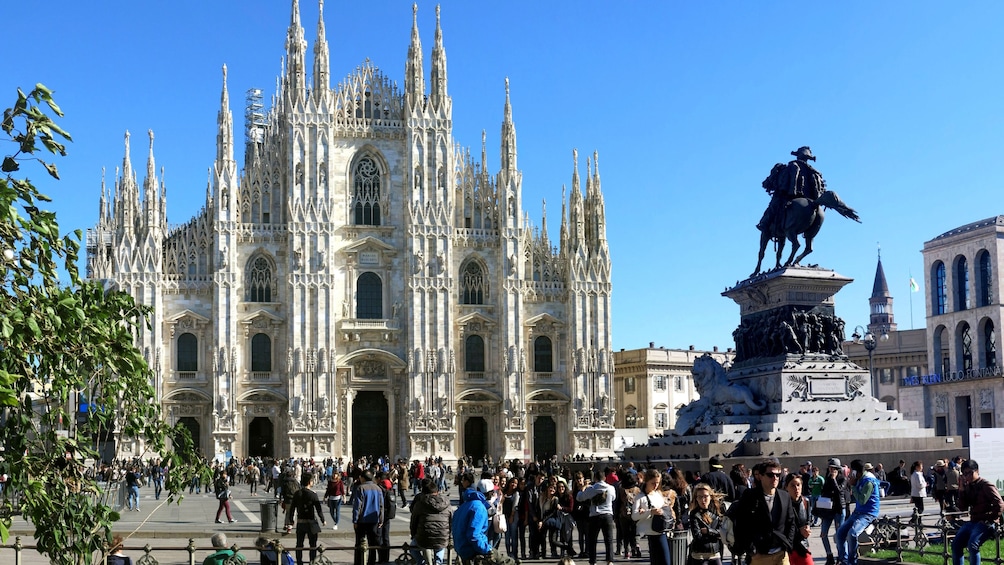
(913, 285)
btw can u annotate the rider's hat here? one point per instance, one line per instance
(804, 152)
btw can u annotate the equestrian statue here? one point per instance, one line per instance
(798, 196)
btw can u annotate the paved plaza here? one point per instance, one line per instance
(168, 527)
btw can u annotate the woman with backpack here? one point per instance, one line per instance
(221, 487)
(653, 514)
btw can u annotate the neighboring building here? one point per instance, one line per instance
(963, 275)
(364, 286)
(651, 384)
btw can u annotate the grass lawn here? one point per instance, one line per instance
(932, 554)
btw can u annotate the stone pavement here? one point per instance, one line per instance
(168, 527)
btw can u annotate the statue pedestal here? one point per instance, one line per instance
(815, 403)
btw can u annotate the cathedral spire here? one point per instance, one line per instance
(103, 204)
(576, 219)
(543, 220)
(414, 81)
(438, 86)
(484, 152)
(598, 207)
(225, 126)
(322, 65)
(563, 236)
(508, 135)
(296, 48)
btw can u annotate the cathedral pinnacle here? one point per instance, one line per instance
(322, 66)
(508, 135)
(414, 81)
(439, 96)
(296, 48)
(225, 126)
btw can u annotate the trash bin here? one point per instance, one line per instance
(269, 515)
(678, 546)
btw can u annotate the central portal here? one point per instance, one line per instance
(545, 438)
(370, 425)
(261, 438)
(476, 438)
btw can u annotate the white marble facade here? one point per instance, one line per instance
(363, 285)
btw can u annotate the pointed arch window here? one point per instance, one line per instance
(261, 353)
(366, 192)
(473, 284)
(542, 355)
(259, 280)
(986, 293)
(474, 354)
(369, 297)
(962, 284)
(188, 353)
(939, 297)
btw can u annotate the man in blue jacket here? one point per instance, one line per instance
(865, 489)
(470, 524)
(367, 517)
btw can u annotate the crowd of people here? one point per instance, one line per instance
(512, 511)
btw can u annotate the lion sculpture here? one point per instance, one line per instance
(719, 397)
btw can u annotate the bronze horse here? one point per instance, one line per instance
(802, 217)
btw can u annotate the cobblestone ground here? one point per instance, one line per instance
(168, 527)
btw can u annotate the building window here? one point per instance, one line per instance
(369, 297)
(473, 285)
(986, 419)
(986, 291)
(259, 280)
(188, 353)
(962, 284)
(661, 420)
(989, 345)
(261, 353)
(474, 354)
(966, 341)
(885, 376)
(629, 384)
(660, 382)
(940, 291)
(941, 425)
(542, 356)
(678, 383)
(366, 193)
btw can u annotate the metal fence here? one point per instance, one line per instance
(931, 537)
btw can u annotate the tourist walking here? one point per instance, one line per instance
(306, 507)
(334, 493)
(222, 491)
(764, 519)
(829, 507)
(653, 515)
(367, 517)
(132, 488)
(705, 527)
(601, 515)
(918, 487)
(799, 554)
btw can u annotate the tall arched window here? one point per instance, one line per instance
(939, 294)
(261, 353)
(188, 353)
(369, 297)
(961, 284)
(989, 345)
(473, 284)
(965, 348)
(986, 290)
(542, 356)
(259, 280)
(474, 354)
(366, 193)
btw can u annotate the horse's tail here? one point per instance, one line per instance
(831, 200)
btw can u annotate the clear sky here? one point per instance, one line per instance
(688, 104)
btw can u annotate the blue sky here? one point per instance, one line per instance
(688, 104)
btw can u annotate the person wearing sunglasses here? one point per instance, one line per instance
(764, 519)
(981, 498)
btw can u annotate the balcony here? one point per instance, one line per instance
(188, 376)
(546, 377)
(261, 376)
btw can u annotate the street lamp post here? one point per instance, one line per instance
(867, 338)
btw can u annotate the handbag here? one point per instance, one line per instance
(660, 522)
(824, 503)
(499, 524)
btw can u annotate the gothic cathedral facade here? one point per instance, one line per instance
(363, 286)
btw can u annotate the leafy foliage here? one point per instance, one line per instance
(63, 346)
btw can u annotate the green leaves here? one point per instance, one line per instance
(63, 346)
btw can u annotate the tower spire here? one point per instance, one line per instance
(438, 79)
(508, 135)
(296, 48)
(881, 319)
(414, 81)
(322, 65)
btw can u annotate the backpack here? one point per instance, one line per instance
(727, 529)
